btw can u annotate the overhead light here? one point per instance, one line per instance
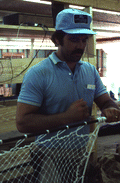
(106, 11)
(21, 43)
(76, 7)
(39, 1)
(101, 34)
(96, 10)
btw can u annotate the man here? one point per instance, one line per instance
(60, 90)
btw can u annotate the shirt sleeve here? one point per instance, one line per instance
(32, 88)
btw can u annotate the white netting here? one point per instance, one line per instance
(59, 159)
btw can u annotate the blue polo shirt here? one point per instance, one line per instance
(53, 87)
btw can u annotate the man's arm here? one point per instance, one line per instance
(108, 107)
(28, 119)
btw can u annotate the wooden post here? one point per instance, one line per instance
(91, 52)
(31, 50)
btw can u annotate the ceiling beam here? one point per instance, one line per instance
(25, 7)
(108, 39)
(24, 31)
(37, 8)
(111, 5)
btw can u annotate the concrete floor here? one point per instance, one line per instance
(107, 144)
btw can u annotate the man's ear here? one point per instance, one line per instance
(57, 42)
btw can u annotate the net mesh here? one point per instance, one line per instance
(59, 159)
(7, 118)
(6, 71)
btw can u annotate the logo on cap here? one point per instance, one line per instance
(81, 19)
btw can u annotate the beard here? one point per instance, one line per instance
(74, 56)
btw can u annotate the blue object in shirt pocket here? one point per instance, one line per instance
(89, 94)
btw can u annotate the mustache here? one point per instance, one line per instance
(78, 51)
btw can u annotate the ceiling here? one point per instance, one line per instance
(107, 25)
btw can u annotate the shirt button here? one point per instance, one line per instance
(69, 73)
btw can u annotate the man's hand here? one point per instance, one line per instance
(78, 111)
(112, 114)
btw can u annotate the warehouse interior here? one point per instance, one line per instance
(26, 27)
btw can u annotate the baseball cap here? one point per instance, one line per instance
(73, 21)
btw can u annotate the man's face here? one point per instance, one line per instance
(73, 47)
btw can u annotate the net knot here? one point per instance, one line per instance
(67, 126)
(101, 119)
(25, 135)
(47, 131)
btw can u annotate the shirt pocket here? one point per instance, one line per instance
(89, 96)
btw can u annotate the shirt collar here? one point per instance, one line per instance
(56, 60)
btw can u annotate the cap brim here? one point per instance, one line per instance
(79, 31)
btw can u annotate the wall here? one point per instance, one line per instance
(113, 64)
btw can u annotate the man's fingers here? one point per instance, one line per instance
(112, 114)
(81, 102)
(78, 110)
